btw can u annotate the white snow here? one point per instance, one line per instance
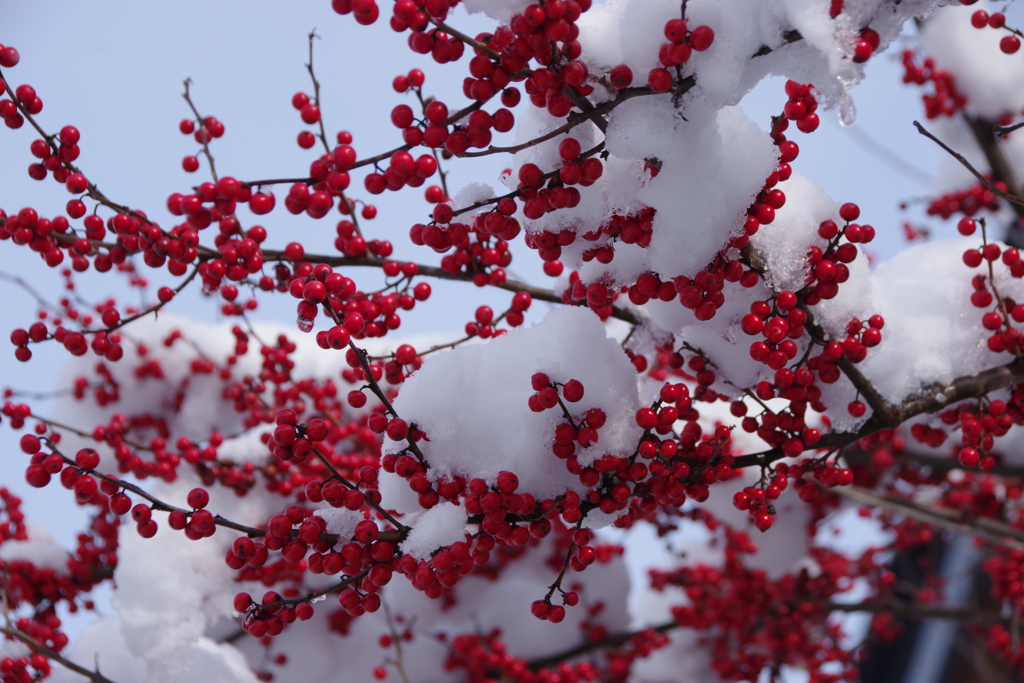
(440, 526)
(471, 194)
(989, 78)
(39, 549)
(484, 391)
(340, 521)
(934, 333)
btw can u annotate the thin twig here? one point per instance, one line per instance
(316, 92)
(36, 646)
(203, 132)
(1003, 131)
(403, 529)
(930, 400)
(459, 35)
(994, 530)
(959, 157)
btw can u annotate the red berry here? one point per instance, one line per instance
(659, 80)
(701, 38)
(198, 498)
(573, 390)
(621, 76)
(969, 457)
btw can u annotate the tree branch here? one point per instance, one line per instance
(994, 530)
(538, 293)
(1013, 199)
(36, 646)
(905, 610)
(929, 400)
(204, 134)
(985, 134)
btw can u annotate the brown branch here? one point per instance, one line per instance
(316, 92)
(985, 134)
(788, 37)
(155, 502)
(1002, 131)
(594, 113)
(43, 303)
(309, 597)
(905, 610)
(538, 293)
(85, 435)
(936, 463)
(586, 107)
(152, 309)
(878, 404)
(515, 193)
(965, 615)
(459, 35)
(402, 529)
(92, 191)
(36, 646)
(614, 640)
(1013, 199)
(994, 530)
(929, 400)
(202, 130)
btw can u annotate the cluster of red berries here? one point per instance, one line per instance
(44, 588)
(483, 657)
(445, 567)
(648, 286)
(208, 129)
(51, 238)
(1004, 337)
(17, 670)
(484, 323)
(330, 177)
(734, 603)
(597, 295)
(783, 320)
(982, 19)
(546, 395)
(549, 244)
(978, 429)
(703, 293)
(946, 99)
(403, 169)
(202, 131)
(57, 159)
(757, 500)
(293, 441)
(539, 200)
(968, 201)
(622, 484)
(272, 615)
(682, 43)
(630, 229)
(800, 108)
(103, 344)
(866, 45)
(486, 255)
(360, 315)
(309, 112)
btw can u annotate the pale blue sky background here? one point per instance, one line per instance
(115, 70)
